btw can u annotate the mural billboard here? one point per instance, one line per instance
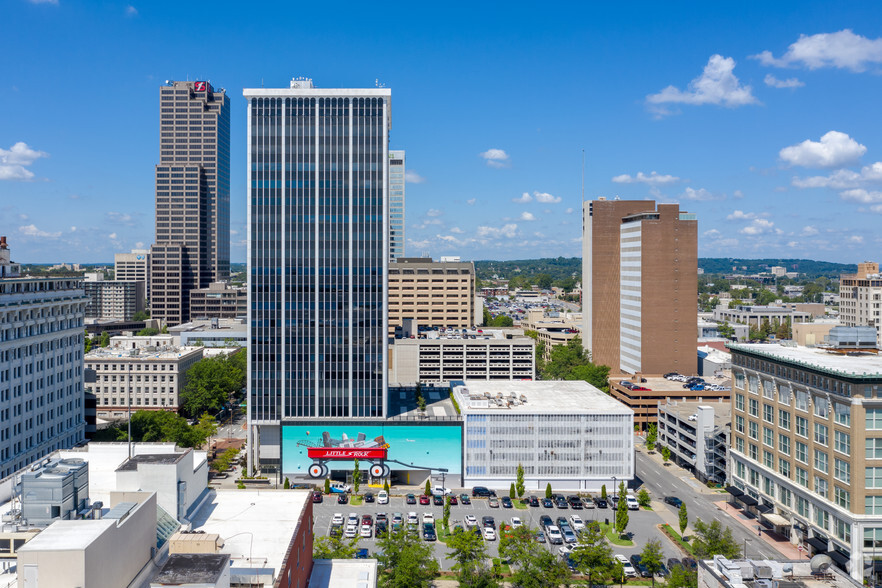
(313, 450)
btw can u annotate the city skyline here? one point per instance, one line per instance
(755, 121)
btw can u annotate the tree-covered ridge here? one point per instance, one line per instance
(809, 267)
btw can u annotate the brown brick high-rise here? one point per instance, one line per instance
(639, 283)
(192, 247)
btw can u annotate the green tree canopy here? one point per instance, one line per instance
(534, 566)
(714, 539)
(333, 548)
(469, 551)
(593, 556)
(406, 561)
(652, 557)
(211, 381)
(163, 425)
(622, 517)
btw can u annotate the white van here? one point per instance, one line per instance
(382, 497)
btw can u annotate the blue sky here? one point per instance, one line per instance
(760, 117)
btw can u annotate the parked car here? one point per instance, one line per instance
(440, 491)
(382, 497)
(600, 502)
(366, 531)
(690, 563)
(471, 520)
(578, 524)
(342, 498)
(547, 503)
(482, 492)
(397, 518)
(626, 565)
(351, 532)
(367, 519)
(533, 501)
(637, 562)
(453, 501)
(352, 519)
(575, 502)
(489, 534)
(632, 502)
(381, 527)
(506, 502)
(337, 519)
(464, 498)
(562, 503)
(516, 522)
(424, 500)
(317, 496)
(412, 518)
(438, 500)
(368, 496)
(555, 537)
(410, 499)
(673, 562)
(540, 537)
(336, 531)
(673, 501)
(563, 523)
(488, 522)
(569, 535)
(429, 532)
(663, 571)
(492, 502)
(545, 521)
(428, 518)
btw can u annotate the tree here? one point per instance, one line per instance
(643, 497)
(356, 476)
(519, 485)
(445, 518)
(488, 318)
(148, 332)
(603, 492)
(622, 511)
(469, 551)
(207, 427)
(428, 491)
(548, 491)
(511, 491)
(726, 330)
(666, 453)
(287, 484)
(104, 340)
(535, 566)
(682, 577)
(327, 485)
(618, 572)
(386, 486)
(713, 539)
(652, 557)
(783, 330)
(502, 321)
(211, 381)
(651, 436)
(593, 556)
(163, 425)
(333, 548)
(684, 517)
(405, 561)
(141, 315)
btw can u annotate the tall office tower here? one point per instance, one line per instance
(640, 282)
(317, 259)
(133, 267)
(396, 203)
(860, 298)
(41, 365)
(192, 247)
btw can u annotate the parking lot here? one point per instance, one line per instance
(643, 523)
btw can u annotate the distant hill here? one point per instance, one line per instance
(559, 268)
(809, 267)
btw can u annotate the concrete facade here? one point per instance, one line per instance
(860, 298)
(552, 331)
(114, 299)
(133, 267)
(397, 209)
(755, 316)
(644, 403)
(178, 479)
(700, 443)
(433, 293)
(219, 300)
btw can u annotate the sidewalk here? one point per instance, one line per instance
(675, 470)
(779, 542)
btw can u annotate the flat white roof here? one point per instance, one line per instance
(68, 535)
(343, 573)
(542, 397)
(256, 526)
(865, 364)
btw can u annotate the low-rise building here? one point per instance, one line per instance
(810, 334)
(433, 293)
(697, 433)
(552, 330)
(475, 356)
(860, 298)
(566, 433)
(211, 333)
(642, 394)
(720, 572)
(713, 362)
(219, 300)
(145, 378)
(755, 316)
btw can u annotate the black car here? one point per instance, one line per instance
(600, 502)
(562, 504)
(317, 496)
(336, 531)
(673, 501)
(411, 499)
(483, 492)
(544, 521)
(438, 500)
(663, 570)
(575, 502)
(563, 523)
(429, 532)
(506, 502)
(690, 563)
(547, 503)
(464, 498)
(637, 562)
(488, 522)
(533, 501)
(673, 562)
(369, 497)
(342, 499)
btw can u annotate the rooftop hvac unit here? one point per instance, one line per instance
(762, 572)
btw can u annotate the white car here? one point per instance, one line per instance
(428, 518)
(632, 503)
(554, 535)
(565, 550)
(471, 520)
(440, 491)
(516, 522)
(383, 497)
(489, 534)
(366, 531)
(338, 518)
(412, 518)
(352, 519)
(351, 532)
(397, 518)
(578, 524)
(626, 565)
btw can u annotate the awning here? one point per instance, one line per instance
(819, 544)
(748, 500)
(734, 491)
(776, 519)
(764, 508)
(840, 558)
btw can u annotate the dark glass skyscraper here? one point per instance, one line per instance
(317, 258)
(192, 247)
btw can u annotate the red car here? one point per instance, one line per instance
(424, 499)
(453, 500)
(316, 496)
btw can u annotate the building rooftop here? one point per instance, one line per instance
(683, 409)
(131, 465)
(343, 573)
(535, 397)
(748, 573)
(256, 526)
(860, 365)
(141, 354)
(223, 324)
(69, 535)
(192, 568)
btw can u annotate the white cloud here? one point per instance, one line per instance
(428, 222)
(131, 10)
(15, 160)
(774, 82)
(495, 157)
(809, 231)
(653, 179)
(33, 231)
(525, 197)
(112, 236)
(121, 218)
(411, 177)
(861, 196)
(701, 195)
(527, 216)
(843, 50)
(856, 239)
(434, 212)
(833, 150)
(737, 194)
(793, 244)
(713, 233)
(419, 243)
(738, 215)
(570, 210)
(509, 230)
(471, 201)
(139, 245)
(759, 226)
(73, 229)
(842, 179)
(716, 85)
(546, 198)
(457, 231)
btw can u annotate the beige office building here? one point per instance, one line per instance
(133, 267)
(552, 331)
(219, 300)
(806, 449)
(640, 278)
(860, 298)
(432, 293)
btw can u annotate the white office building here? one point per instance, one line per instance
(41, 365)
(566, 433)
(133, 267)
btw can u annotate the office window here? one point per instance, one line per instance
(873, 506)
(822, 518)
(784, 444)
(822, 407)
(753, 384)
(802, 506)
(739, 402)
(739, 423)
(873, 477)
(821, 486)
(874, 447)
(801, 452)
(784, 419)
(841, 529)
(768, 413)
(754, 452)
(801, 426)
(768, 459)
(753, 430)
(801, 477)
(842, 413)
(739, 380)
(784, 394)
(784, 496)
(821, 433)
(753, 407)
(820, 461)
(739, 445)
(842, 470)
(874, 419)
(784, 467)
(842, 442)
(802, 400)
(768, 437)
(768, 389)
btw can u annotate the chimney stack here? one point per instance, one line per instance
(3, 242)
